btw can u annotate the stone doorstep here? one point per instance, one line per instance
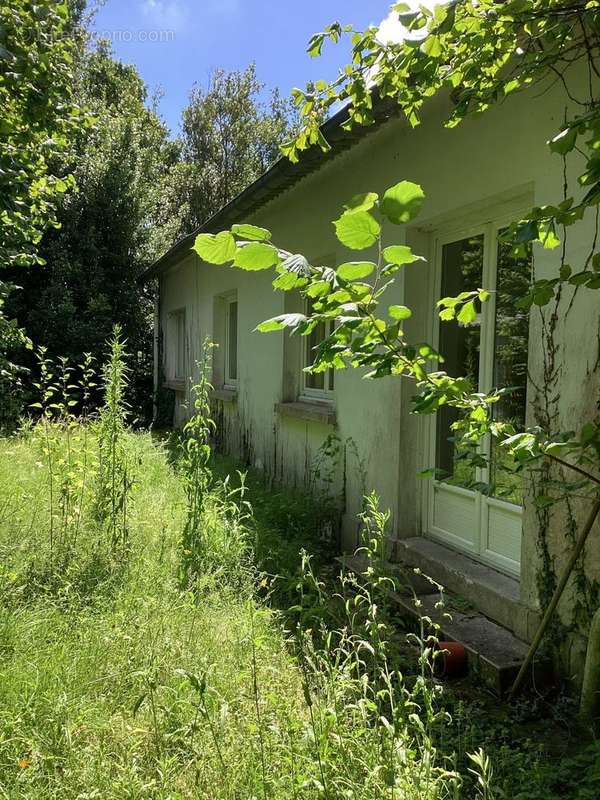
(494, 653)
(494, 594)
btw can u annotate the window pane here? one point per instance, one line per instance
(511, 339)
(462, 270)
(180, 326)
(232, 342)
(313, 340)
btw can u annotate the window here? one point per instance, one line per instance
(177, 346)
(491, 351)
(475, 503)
(319, 385)
(462, 271)
(511, 344)
(231, 341)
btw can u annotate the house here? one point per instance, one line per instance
(499, 552)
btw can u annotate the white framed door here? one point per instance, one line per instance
(476, 506)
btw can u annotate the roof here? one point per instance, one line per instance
(279, 177)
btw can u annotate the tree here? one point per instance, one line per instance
(230, 136)
(38, 118)
(105, 239)
(137, 192)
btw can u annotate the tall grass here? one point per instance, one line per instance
(62, 444)
(139, 688)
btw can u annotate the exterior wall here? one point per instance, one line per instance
(476, 171)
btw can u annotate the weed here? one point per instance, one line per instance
(114, 482)
(195, 470)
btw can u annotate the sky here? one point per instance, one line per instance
(176, 43)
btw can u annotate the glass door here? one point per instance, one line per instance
(476, 497)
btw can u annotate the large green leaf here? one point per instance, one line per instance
(216, 249)
(468, 313)
(256, 256)
(399, 312)
(319, 289)
(357, 229)
(352, 270)
(400, 254)
(432, 46)
(281, 322)
(402, 202)
(251, 232)
(288, 281)
(362, 202)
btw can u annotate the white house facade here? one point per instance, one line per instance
(477, 178)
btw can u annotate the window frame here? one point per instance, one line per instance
(229, 382)
(484, 506)
(308, 393)
(178, 350)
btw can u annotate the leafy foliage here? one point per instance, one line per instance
(138, 190)
(38, 117)
(481, 52)
(364, 335)
(89, 281)
(194, 464)
(12, 340)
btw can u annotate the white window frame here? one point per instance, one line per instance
(228, 381)
(178, 349)
(478, 549)
(309, 393)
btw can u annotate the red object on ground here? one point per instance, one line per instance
(452, 661)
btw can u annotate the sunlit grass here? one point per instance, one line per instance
(115, 683)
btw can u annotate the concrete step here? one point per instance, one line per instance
(494, 594)
(495, 655)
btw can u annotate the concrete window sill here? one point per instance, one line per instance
(175, 385)
(312, 412)
(225, 395)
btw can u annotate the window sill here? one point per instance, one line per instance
(175, 384)
(225, 395)
(313, 411)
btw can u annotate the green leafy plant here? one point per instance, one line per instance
(367, 331)
(482, 53)
(12, 340)
(195, 469)
(62, 437)
(114, 481)
(38, 119)
(359, 699)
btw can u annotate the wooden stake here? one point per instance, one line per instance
(560, 587)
